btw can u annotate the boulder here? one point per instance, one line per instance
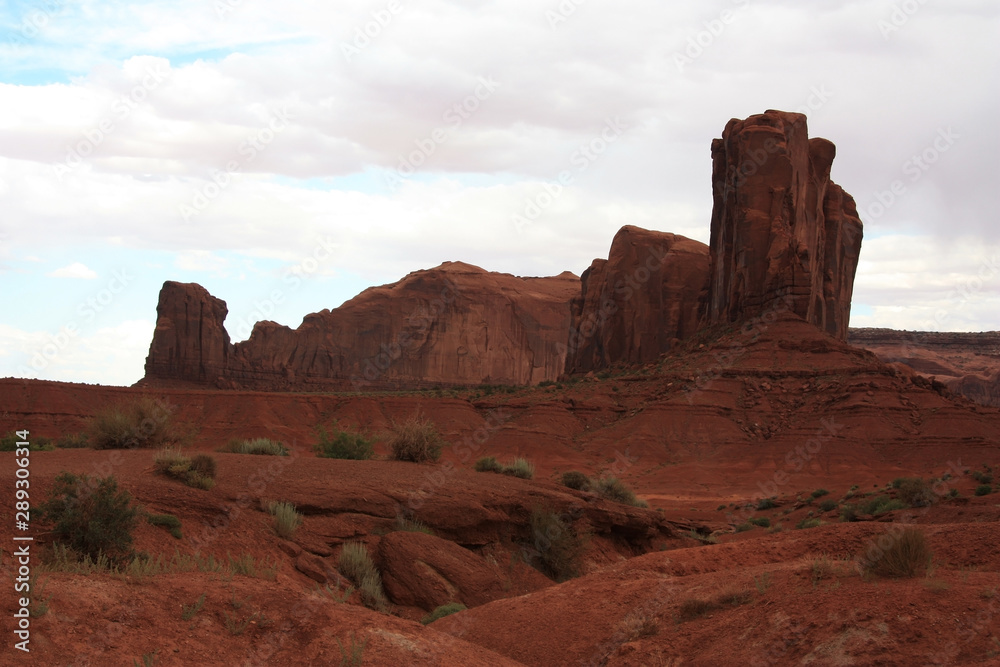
(420, 570)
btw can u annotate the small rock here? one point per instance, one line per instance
(311, 566)
(290, 548)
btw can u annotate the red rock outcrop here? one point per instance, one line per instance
(425, 571)
(650, 292)
(454, 324)
(784, 236)
(190, 342)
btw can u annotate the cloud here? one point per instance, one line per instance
(151, 126)
(74, 270)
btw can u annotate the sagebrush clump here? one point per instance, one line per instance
(172, 463)
(357, 565)
(905, 553)
(558, 548)
(91, 516)
(257, 446)
(135, 423)
(415, 440)
(337, 443)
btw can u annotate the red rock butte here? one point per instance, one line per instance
(784, 237)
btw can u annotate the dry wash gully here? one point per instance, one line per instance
(22, 548)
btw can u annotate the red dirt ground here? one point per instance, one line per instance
(781, 411)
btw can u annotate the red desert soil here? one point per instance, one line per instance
(778, 409)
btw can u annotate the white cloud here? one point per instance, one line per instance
(156, 97)
(74, 270)
(110, 355)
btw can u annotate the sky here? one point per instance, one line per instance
(288, 155)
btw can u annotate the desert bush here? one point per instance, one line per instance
(819, 493)
(442, 611)
(828, 505)
(575, 479)
(766, 504)
(880, 505)
(138, 422)
(415, 440)
(411, 525)
(983, 490)
(73, 441)
(286, 519)
(902, 554)
(848, 512)
(519, 467)
(761, 521)
(808, 523)
(488, 464)
(172, 463)
(258, 446)
(743, 527)
(982, 477)
(638, 624)
(558, 546)
(612, 488)
(693, 608)
(168, 521)
(91, 516)
(340, 444)
(355, 564)
(8, 443)
(914, 491)
(204, 465)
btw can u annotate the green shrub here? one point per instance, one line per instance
(828, 506)
(766, 504)
(558, 547)
(902, 554)
(8, 443)
(519, 467)
(743, 527)
(880, 505)
(953, 493)
(982, 477)
(819, 493)
(984, 490)
(168, 521)
(848, 512)
(411, 525)
(914, 491)
(612, 488)
(286, 519)
(442, 611)
(258, 446)
(91, 516)
(172, 463)
(73, 441)
(340, 444)
(761, 521)
(138, 422)
(355, 564)
(809, 523)
(488, 464)
(415, 440)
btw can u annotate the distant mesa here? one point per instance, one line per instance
(784, 238)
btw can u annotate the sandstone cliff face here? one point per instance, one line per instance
(454, 324)
(650, 292)
(784, 236)
(190, 342)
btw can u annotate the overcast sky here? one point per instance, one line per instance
(307, 150)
